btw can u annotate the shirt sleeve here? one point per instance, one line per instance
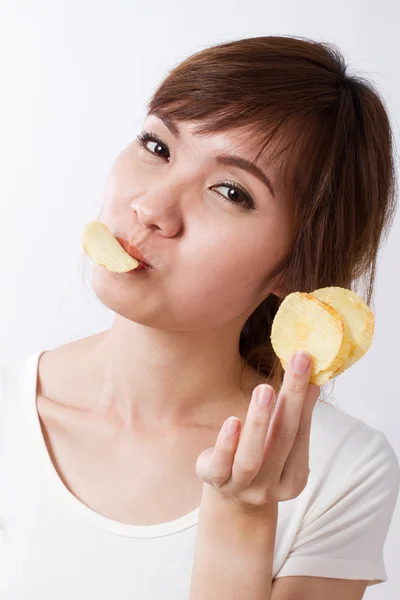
(346, 536)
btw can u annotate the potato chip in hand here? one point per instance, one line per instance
(333, 324)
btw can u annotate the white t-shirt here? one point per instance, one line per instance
(52, 546)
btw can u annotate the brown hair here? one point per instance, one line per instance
(338, 162)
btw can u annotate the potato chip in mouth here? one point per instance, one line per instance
(105, 250)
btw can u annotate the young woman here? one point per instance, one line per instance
(263, 168)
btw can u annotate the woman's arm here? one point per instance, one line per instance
(234, 550)
(246, 474)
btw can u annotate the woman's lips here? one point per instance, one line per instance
(134, 252)
(140, 266)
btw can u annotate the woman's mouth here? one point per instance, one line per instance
(135, 253)
(140, 267)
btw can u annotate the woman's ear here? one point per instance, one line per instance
(275, 286)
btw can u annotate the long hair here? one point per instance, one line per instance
(335, 147)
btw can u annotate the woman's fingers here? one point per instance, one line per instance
(286, 418)
(250, 451)
(214, 465)
(239, 455)
(268, 459)
(296, 470)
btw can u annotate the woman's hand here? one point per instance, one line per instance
(268, 461)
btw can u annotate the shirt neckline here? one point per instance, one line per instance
(29, 391)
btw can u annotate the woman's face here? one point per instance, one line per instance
(210, 246)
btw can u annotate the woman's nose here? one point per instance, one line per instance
(157, 213)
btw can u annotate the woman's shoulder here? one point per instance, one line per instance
(62, 373)
(341, 439)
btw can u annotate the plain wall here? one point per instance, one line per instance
(75, 78)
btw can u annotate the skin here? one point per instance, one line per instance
(182, 320)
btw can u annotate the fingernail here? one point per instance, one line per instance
(301, 362)
(231, 425)
(264, 396)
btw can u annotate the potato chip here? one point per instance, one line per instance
(321, 377)
(105, 250)
(303, 322)
(291, 332)
(357, 317)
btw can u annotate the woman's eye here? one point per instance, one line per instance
(236, 195)
(146, 137)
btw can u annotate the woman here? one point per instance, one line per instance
(119, 479)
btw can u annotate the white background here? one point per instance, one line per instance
(75, 78)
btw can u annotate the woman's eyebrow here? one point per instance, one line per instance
(222, 159)
(246, 165)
